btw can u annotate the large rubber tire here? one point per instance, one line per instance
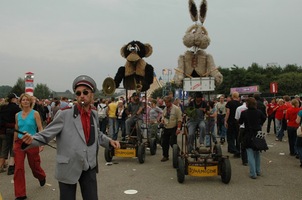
(226, 171)
(217, 151)
(175, 155)
(181, 170)
(108, 153)
(153, 146)
(141, 153)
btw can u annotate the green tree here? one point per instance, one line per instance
(289, 83)
(19, 87)
(5, 90)
(42, 91)
(157, 93)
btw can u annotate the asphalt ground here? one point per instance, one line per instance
(281, 178)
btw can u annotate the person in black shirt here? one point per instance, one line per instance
(253, 119)
(8, 114)
(196, 111)
(260, 104)
(232, 125)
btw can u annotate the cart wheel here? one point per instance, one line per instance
(109, 154)
(181, 170)
(217, 151)
(153, 146)
(226, 171)
(141, 153)
(175, 155)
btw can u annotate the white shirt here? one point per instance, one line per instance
(239, 110)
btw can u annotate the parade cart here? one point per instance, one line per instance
(201, 161)
(131, 147)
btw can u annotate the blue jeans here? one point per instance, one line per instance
(103, 124)
(280, 131)
(221, 130)
(130, 122)
(192, 126)
(210, 129)
(112, 126)
(299, 148)
(120, 123)
(253, 158)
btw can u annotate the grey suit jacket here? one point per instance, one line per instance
(73, 154)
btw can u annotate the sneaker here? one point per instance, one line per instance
(277, 139)
(42, 182)
(21, 198)
(2, 170)
(253, 177)
(237, 155)
(222, 140)
(11, 170)
(164, 159)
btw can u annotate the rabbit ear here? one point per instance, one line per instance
(203, 11)
(193, 10)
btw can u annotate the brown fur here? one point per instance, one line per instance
(137, 68)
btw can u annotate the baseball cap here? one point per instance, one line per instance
(134, 94)
(84, 80)
(12, 95)
(198, 94)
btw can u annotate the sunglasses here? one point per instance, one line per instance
(85, 92)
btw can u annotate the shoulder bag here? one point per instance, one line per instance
(299, 132)
(259, 142)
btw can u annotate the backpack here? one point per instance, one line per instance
(102, 111)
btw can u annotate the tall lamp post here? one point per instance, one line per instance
(166, 74)
(29, 83)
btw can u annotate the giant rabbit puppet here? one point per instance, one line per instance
(136, 74)
(196, 62)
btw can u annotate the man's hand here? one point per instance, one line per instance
(115, 144)
(27, 138)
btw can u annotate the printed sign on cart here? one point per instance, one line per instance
(203, 171)
(128, 153)
(199, 84)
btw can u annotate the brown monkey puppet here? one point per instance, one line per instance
(196, 62)
(136, 74)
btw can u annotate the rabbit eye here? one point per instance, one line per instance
(193, 30)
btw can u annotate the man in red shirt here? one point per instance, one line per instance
(271, 115)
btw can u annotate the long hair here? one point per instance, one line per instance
(24, 95)
(251, 103)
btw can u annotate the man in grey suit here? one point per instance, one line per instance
(78, 138)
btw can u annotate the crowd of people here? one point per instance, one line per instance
(223, 119)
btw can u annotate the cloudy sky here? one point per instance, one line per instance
(61, 39)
